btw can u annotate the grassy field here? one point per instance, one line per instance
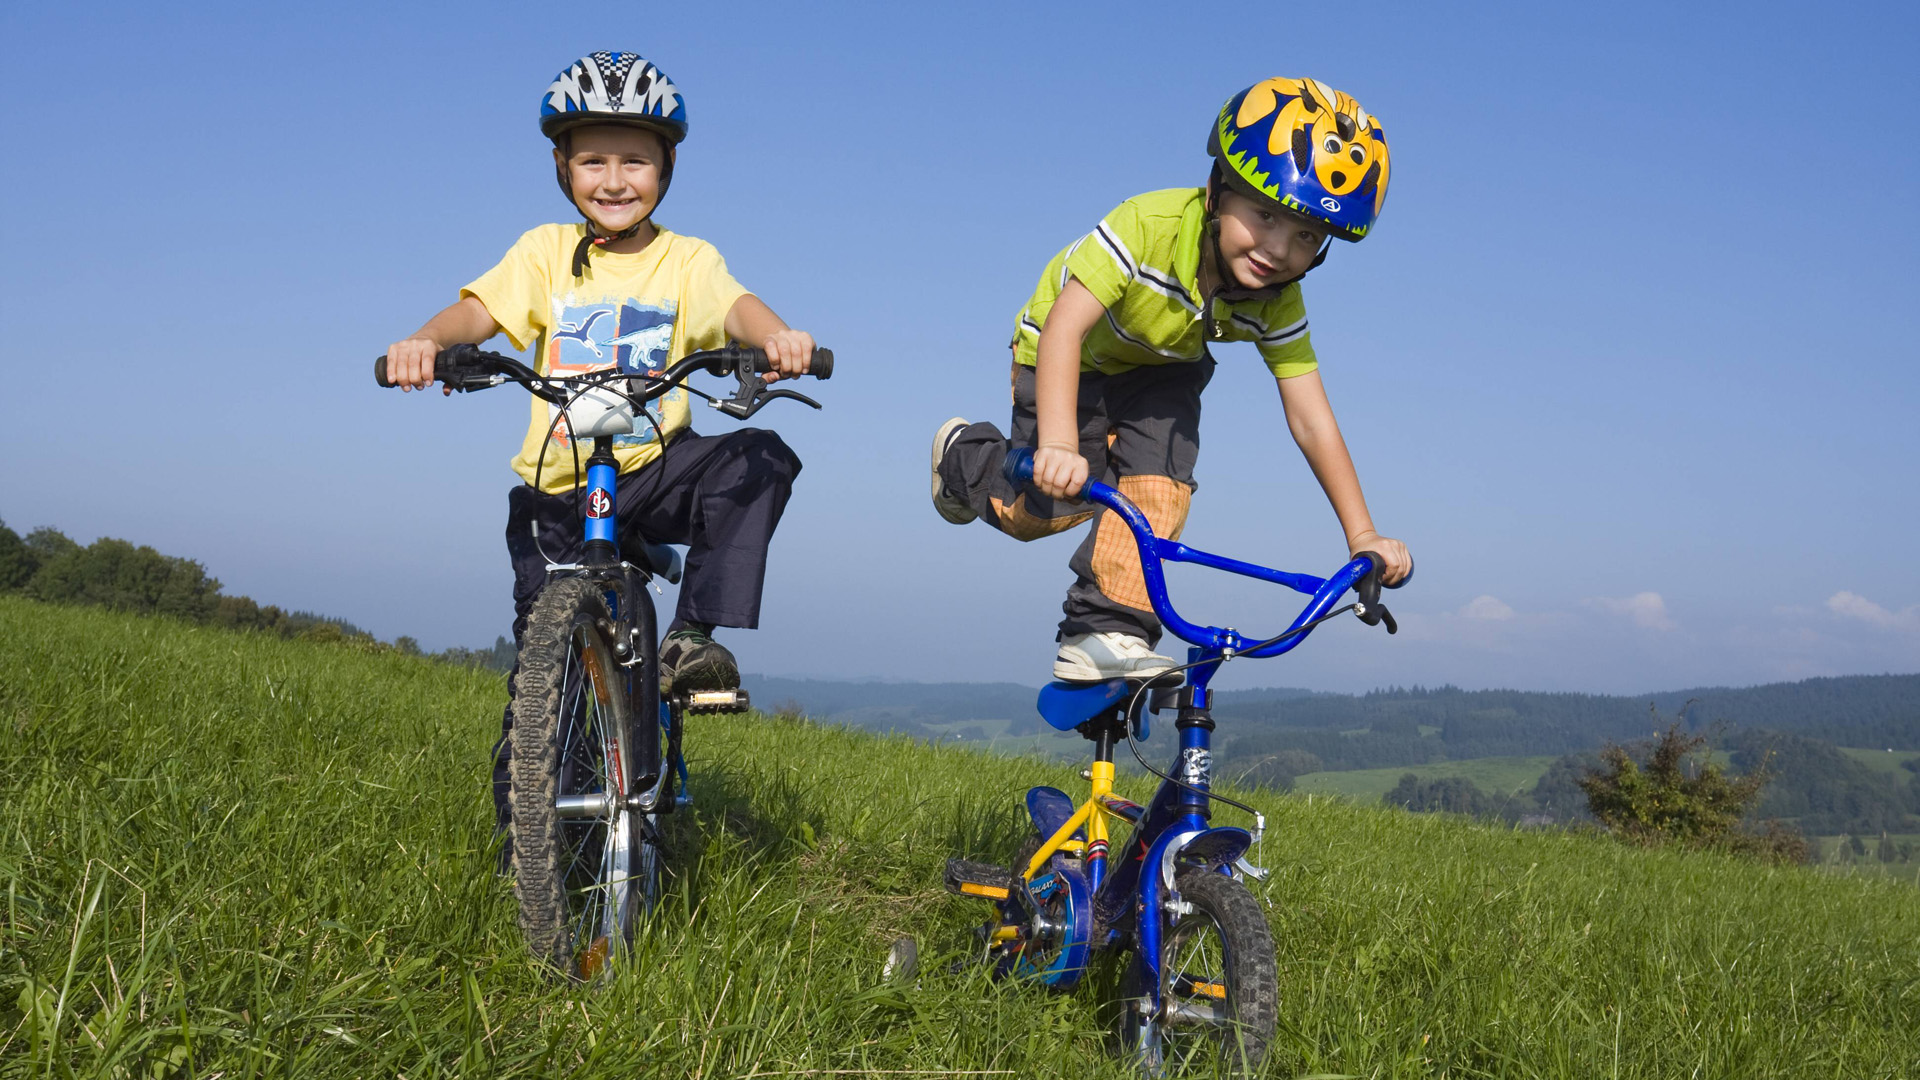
(232, 856)
(1495, 775)
(1886, 761)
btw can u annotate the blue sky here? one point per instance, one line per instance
(1629, 361)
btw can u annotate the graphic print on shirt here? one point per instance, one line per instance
(636, 336)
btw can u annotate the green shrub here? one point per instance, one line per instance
(1666, 794)
(115, 574)
(1446, 794)
(17, 560)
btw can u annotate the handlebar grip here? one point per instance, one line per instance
(1379, 568)
(820, 368)
(1018, 469)
(450, 364)
(1367, 591)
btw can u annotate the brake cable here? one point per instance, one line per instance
(1260, 820)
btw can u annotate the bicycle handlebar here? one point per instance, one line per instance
(468, 364)
(1361, 574)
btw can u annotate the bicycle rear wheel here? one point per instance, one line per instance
(1219, 987)
(585, 862)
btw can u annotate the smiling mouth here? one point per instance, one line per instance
(1260, 269)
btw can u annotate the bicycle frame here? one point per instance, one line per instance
(1174, 829)
(635, 621)
(652, 772)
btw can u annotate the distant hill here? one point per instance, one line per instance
(1854, 705)
(1415, 726)
(1410, 726)
(907, 707)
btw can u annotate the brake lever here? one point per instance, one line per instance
(753, 394)
(765, 397)
(1376, 613)
(1366, 594)
(469, 381)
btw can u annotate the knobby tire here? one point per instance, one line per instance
(580, 883)
(1225, 938)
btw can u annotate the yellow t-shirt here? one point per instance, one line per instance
(641, 311)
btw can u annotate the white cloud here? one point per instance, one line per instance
(1855, 606)
(1646, 609)
(1490, 608)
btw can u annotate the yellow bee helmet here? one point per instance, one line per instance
(1307, 147)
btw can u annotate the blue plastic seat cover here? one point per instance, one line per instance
(1067, 705)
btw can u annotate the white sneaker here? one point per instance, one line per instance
(951, 507)
(1099, 657)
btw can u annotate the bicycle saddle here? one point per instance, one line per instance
(1067, 705)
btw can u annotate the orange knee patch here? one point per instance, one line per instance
(1022, 524)
(1116, 558)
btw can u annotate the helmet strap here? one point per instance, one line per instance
(595, 239)
(1228, 288)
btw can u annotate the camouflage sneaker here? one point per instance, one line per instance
(690, 660)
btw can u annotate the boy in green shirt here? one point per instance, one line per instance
(1112, 351)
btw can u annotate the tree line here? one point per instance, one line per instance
(1811, 784)
(49, 566)
(1419, 726)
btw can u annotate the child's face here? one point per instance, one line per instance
(615, 173)
(1264, 245)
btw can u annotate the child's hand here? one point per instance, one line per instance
(790, 352)
(1059, 472)
(1399, 562)
(410, 363)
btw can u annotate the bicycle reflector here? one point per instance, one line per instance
(714, 701)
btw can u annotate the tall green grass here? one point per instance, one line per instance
(237, 856)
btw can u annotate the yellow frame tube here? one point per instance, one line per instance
(1093, 814)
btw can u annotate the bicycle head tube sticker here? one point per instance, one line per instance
(1195, 765)
(599, 503)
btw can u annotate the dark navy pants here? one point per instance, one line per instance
(719, 495)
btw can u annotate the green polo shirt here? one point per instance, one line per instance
(1142, 263)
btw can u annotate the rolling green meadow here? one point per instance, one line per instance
(1496, 775)
(236, 855)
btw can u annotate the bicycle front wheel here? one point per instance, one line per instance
(1219, 993)
(584, 862)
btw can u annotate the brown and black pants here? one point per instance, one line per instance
(1140, 432)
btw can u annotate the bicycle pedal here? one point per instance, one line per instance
(965, 877)
(697, 702)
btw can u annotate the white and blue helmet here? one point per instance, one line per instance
(614, 88)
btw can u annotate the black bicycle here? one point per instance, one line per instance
(595, 744)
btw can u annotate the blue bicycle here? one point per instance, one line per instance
(1202, 986)
(596, 754)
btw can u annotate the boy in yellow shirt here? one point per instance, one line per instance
(1112, 352)
(617, 289)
